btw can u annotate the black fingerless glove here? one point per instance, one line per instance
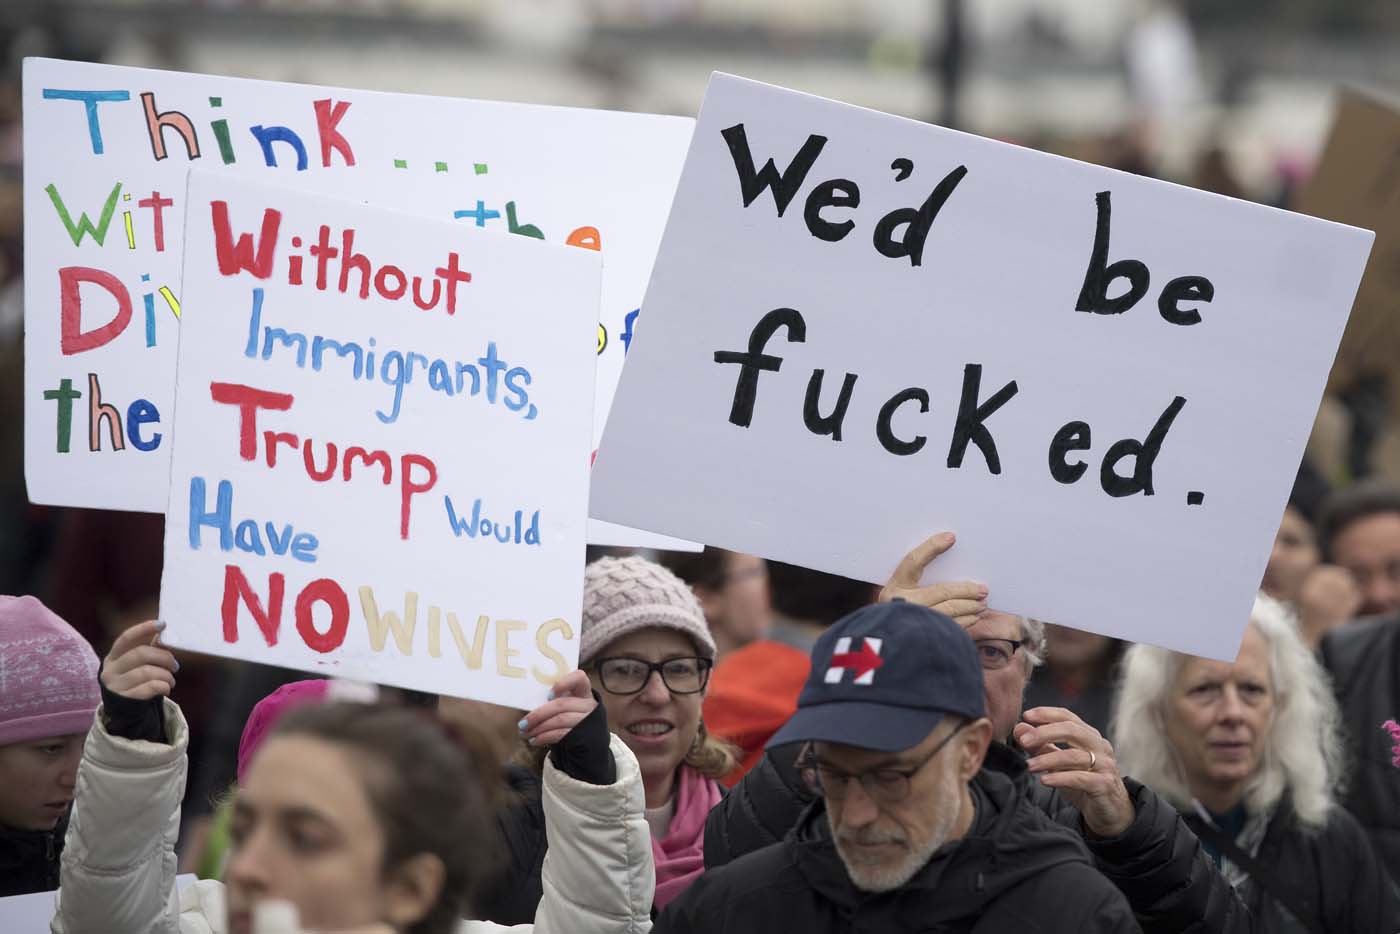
(133, 719)
(584, 752)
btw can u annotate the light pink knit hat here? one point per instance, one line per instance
(622, 595)
(48, 674)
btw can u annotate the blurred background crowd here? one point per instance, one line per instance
(1231, 96)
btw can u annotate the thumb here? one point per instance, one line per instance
(911, 568)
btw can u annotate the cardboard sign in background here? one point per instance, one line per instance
(330, 513)
(1357, 182)
(823, 387)
(107, 150)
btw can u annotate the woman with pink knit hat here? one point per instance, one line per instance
(48, 693)
(648, 653)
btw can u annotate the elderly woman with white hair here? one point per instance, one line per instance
(1249, 752)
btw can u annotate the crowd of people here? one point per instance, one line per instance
(749, 746)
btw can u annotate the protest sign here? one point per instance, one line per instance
(381, 469)
(1357, 182)
(861, 330)
(107, 149)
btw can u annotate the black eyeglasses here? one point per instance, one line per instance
(997, 653)
(884, 786)
(624, 675)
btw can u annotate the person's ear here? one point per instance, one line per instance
(413, 890)
(976, 739)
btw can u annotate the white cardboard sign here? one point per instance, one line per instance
(388, 483)
(106, 152)
(1102, 383)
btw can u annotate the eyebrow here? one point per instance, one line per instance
(290, 814)
(889, 762)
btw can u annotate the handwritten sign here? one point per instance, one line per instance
(382, 462)
(862, 329)
(107, 150)
(1358, 182)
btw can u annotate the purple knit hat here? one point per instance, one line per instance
(48, 674)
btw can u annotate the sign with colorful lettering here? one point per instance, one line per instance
(862, 330)
(106, 152)
(387, 482)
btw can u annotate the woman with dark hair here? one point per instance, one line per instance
(350, 817)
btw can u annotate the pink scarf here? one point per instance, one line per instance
(680, 855)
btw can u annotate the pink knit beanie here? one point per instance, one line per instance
(622, 595)
(270, 709)
(48, 674)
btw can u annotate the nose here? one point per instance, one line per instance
(655, 691)
(858, 809)
(1231, 706)
(68, 776)
(246, 868)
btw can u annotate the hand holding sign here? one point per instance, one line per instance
(964, 601)
(571, 701)
(138, 669)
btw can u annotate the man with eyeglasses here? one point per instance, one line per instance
(1137, 840)
(908, 832)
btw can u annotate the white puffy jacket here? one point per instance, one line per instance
(119, 856)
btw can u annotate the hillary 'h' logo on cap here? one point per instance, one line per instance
(863, 662)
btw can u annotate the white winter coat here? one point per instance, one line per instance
(118, 869)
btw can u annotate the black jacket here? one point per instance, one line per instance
(1364, 660)
(29, 859)
(1158, 864)
(1330, 874)
(1015, 871)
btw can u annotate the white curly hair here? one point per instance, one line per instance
(1302, 751)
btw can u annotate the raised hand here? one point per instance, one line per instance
(1072, 756)
(964, 601)
(137, 668)
(572, 700)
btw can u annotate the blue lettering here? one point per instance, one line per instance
(142, 412)
(90, 100)
(221, 518)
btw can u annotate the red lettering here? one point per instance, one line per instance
(452, 274)
(320, 476)
(74, 339)
(249, 400)
(273, 438)
(330, 593)
(236, 588)
(237, 256)
(367, 458)
(327, 118)
(157, 204)
(408, 487)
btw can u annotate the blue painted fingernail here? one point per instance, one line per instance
(531, 740)
(523, 725)
(177, 664)
(160, 625)
(550, 695)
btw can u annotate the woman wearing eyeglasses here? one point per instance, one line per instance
(648, 654)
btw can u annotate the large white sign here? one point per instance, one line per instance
(106, 152)
(381, 468)
(861, 330)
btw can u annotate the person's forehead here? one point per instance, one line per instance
(653, 643)
(1368, 537)
(995, 624)
(305, 776)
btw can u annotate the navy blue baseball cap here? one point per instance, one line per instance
(883, 678)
